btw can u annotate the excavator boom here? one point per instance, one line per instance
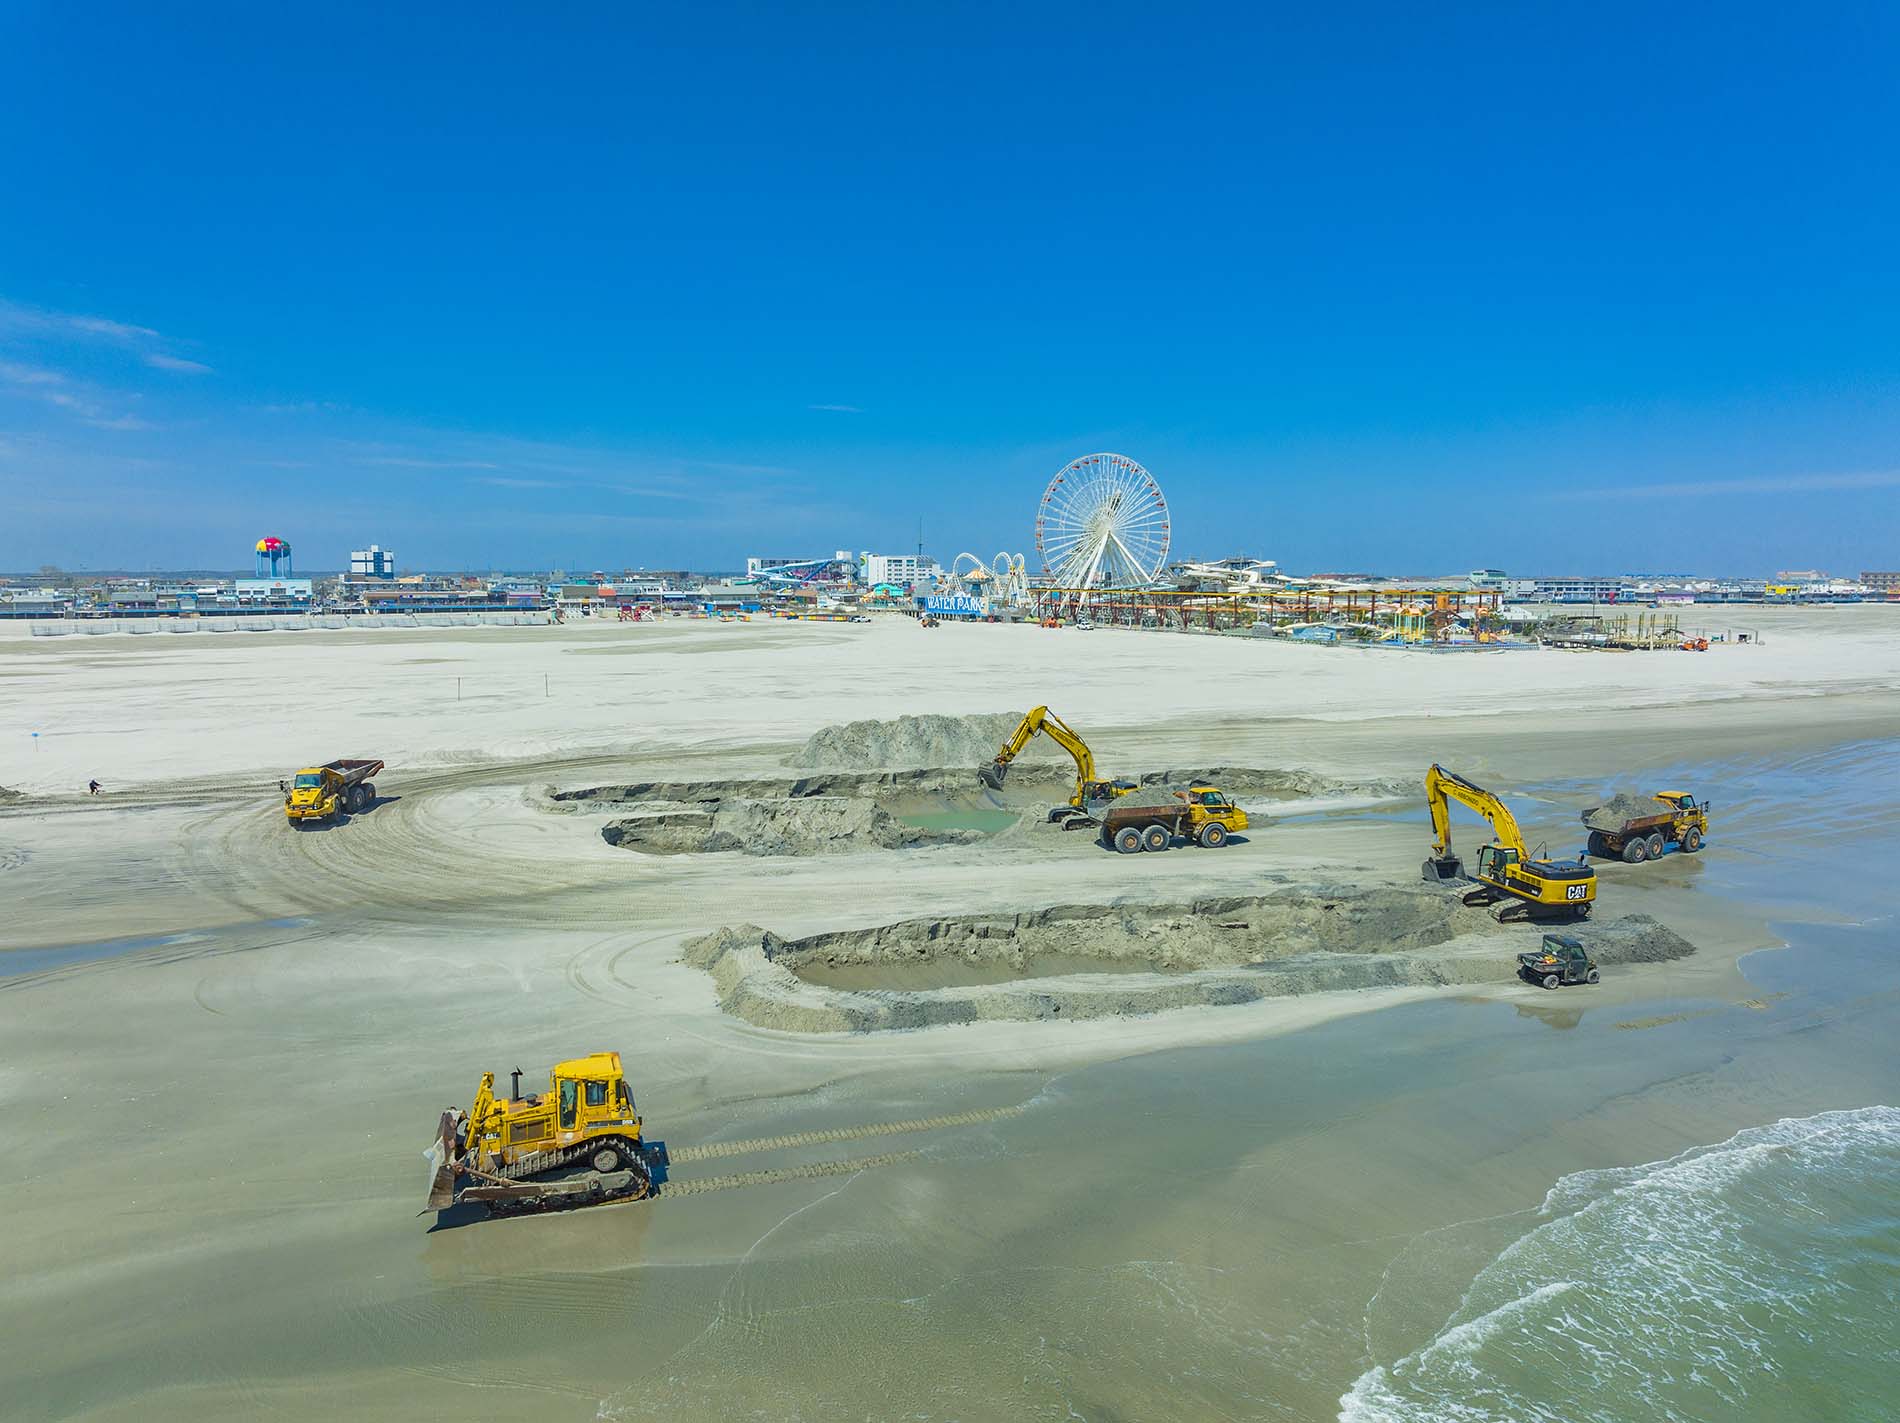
(1442, 786)
(1057, 730)
(1088, 784)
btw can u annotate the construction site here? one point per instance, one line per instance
(664, 948)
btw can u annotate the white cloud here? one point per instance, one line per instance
(99, 326)
(409, 462)
(838, 409)
(1768, 484)
(158, 360)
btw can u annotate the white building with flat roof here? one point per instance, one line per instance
(372, 562)
(899, 569)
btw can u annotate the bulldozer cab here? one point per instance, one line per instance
(590, 1093)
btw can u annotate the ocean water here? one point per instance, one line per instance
(1755, 1279)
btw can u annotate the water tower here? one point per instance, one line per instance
(273, 558)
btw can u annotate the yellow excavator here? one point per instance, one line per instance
(1091, 790)
(1529, 886)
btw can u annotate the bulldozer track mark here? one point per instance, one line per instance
(701, 1185)
(711, 1151)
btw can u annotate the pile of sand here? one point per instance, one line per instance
(1621, 809)
(917, 741)
(812, 826)
(7, 795)
(1212, 952)
(1243, 783)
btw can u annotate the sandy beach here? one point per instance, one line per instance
(228, 1041)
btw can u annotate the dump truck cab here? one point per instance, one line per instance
(314, 793)
(1559, 960)
(1208, 805)
(587, 1105)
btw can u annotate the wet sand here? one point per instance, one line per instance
(1215, 1211)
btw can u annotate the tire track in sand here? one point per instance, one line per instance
(697, 1186)
(711, 1151)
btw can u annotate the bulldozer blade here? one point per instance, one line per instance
(992, 775)
(442, 1187)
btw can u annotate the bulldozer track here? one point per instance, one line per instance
(712, 1151)
(699, 1186)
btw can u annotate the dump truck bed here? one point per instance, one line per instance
(1627, 814)
(1119, 813)
(353, 771)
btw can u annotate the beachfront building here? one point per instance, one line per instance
(1563, 590)
(900, 570)
(273, 592)
(372, 562)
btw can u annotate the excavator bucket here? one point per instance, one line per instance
(992, 774)
(442, 1187)
(1441, 868)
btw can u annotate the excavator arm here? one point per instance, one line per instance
(1049, 724)
(1441, 788)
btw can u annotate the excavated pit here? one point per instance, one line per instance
(883, 785)
(841, 811)
(1089, 961)
(818, 825)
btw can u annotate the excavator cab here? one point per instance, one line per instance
(1493, 860)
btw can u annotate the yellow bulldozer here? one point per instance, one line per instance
(577, 1144)
(1521, 884)
(1091, 792)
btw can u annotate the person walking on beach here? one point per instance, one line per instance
(92, 788)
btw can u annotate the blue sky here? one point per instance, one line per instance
(1365, 287)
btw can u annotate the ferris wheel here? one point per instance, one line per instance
(1103, 523)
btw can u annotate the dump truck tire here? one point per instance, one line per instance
(1128, 840)
(1157, 838)
(369, 793)
(1213, 835)
(1691, 840)
(1635, 851)
(1593, 977)
(1598, 845)
(1655, 846)
(1550, 980)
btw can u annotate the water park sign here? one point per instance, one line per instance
(959, 605)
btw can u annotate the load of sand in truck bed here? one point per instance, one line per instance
(1621, 809)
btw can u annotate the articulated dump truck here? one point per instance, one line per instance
(577, 1144)
(330, 791)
